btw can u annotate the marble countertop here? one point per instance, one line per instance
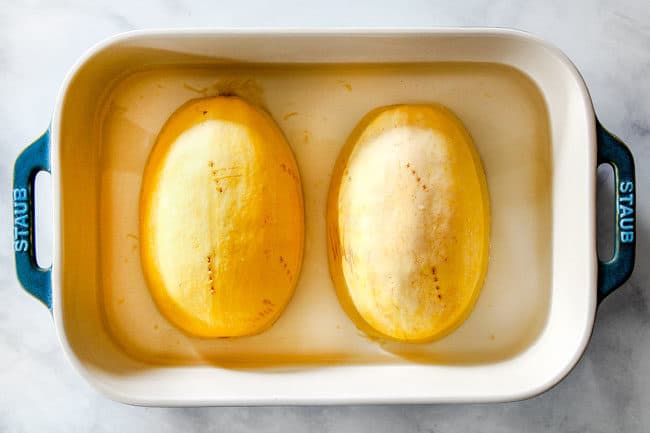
(608, 40)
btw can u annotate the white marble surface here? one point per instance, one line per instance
(609, 40)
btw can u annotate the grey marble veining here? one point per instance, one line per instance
(609, 390)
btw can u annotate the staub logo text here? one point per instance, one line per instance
(626, 211)
(21, 220)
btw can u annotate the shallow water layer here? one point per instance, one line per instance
(317, 106)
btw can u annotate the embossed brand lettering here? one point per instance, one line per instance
(21, 220)
(626, 211)
(627, 237)
(20, 194)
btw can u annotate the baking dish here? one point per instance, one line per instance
(541, 146)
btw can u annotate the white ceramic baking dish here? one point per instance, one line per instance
(541, 167)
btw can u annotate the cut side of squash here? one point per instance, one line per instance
(408, 223)
(221, 219)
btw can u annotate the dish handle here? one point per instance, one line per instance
(614, 272)
(35, 279)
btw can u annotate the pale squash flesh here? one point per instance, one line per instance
(221, 219)
(408, 223)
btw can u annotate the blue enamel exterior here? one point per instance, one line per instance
(617, 270)
(34, 279)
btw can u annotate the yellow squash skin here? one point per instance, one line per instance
(221, 219)
(408, 223)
